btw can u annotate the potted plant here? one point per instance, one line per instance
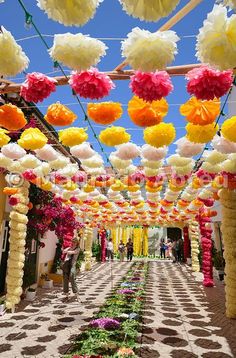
(219, 264)
(30, 294)
(47, 282)
(2, 305)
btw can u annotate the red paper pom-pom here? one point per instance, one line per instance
(37, 87)
(151, 86)
(207, 83)
(13, 201)
(91, 84)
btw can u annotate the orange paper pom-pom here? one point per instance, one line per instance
(59, 115)
(145, 114)
(200, 112)
(12, 117)
(10, 191)
(104, 113)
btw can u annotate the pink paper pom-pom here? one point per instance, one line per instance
(207, 83)
(91, 84)
(151, 86)
(37, 87)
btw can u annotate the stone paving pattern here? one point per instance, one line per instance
(181, 317)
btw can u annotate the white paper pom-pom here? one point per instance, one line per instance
(211, 168)
(95, 162)
(146, 51)
(12, 60)
(13, 151)
(223, 145)
(82, 151)
(229, 166)
(15, 167)
(5, 161)
(179, 161)
(129, 170)
(185, 148)
(216, 42)
(230, 3)
(59, 163)
(150, 172)
(184, 170)
(149, 10)
(152, 153)
(119, 163)
(214, 157)
(29, 161)
(153, 164)
(77, 51)
(70, 13)
(69, 170)
(42, 170)
(95, 171)
(127, 151)
(47, 153)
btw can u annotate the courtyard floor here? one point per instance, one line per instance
(181, 318)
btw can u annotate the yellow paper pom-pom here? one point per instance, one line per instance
(200, 112)
(32, 138)
(228, 129)
(60, 115)
(12, 117)
(46, 185)
(114, 136)
(4, 138)
(160, 135)
(145, 114)
(201, 134)
(73, 136)
(104, 113)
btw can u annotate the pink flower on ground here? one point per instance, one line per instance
(37, 87)
(151, 86)
(91, 84)
(207, 83)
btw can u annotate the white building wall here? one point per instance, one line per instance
(47, 253)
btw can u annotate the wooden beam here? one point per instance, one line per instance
(170, 23)
(114, 75)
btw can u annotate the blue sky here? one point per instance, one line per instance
(110, 21)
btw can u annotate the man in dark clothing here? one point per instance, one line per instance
(130, 250)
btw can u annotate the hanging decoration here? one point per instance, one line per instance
(194, 236)
(16, 258)
(104, 113)
(230, 3)
(206, 243)
(37, 87)
(114, 136)
(223, 145)
(188, 149)
(206, 83)
(153, 154)
(146, 51)
(91, 84)
(47, 153)
(73, 136)
(16, 60)
(4, 138)
(200, 112)
(77, 51)
(59, 115)
(82, 151)
(70, 13)
(12, 117)
(217, 29)
(146, 114)
(127, 151)
(228, 129)
(160, 135)
(151, 86)
(201, 134)
(13, 151)
(32, 138)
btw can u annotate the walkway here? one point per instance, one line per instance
(181, 318)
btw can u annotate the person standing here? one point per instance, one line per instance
(162, 249)
(174, 253)
(70, 255)
(130, 250)
(169, 248)
(110, 250)
(121, 249)
(179, 249)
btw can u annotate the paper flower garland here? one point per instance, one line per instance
(4, 138)
(160, 135)
(207, 83)
(145, 114)
(70, 13)
(188, 149)
(217, 29)
(77, 51)
(59, 115)
(32, 138)
(72, 136)
(82, 151)
(37, 87)
(200, 112)
(16, 60)
(12, 117)
(153, 154)
(91, 84)
(114, 136)
(223, 145)
(47, 153)
(149, 10)
(104, 113)
(146, 51)
(151, 86)
(201, 134)
(127, 151)
(228, 129)
(13, 151)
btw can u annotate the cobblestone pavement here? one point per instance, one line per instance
(46, 327)
(181, 318)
